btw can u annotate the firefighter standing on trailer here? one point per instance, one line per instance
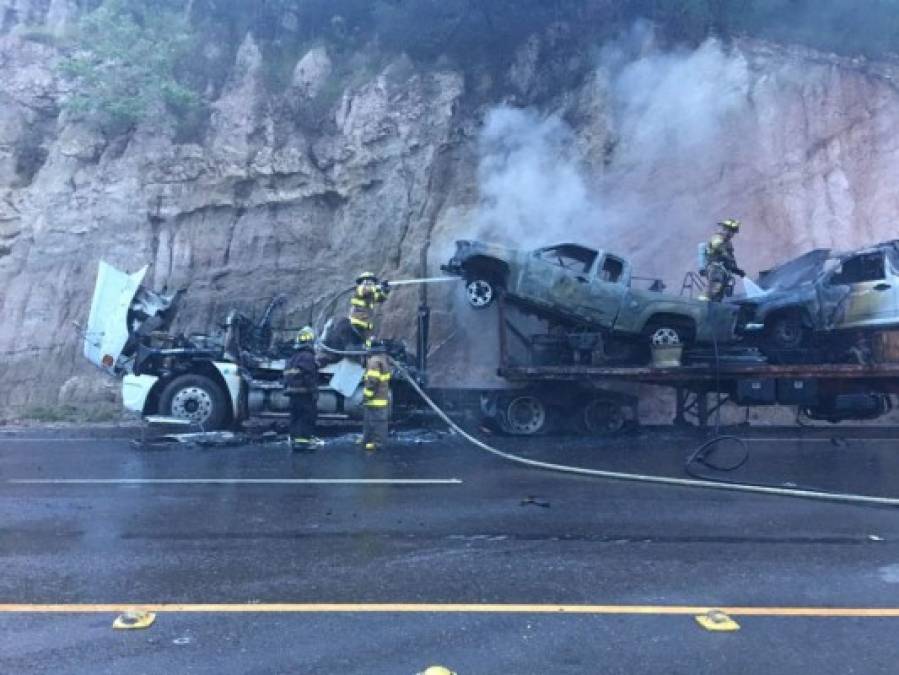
(377, 397)
(721, 262)
(352, 332)
(301, 385)
(369, 293)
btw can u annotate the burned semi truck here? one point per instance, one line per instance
(215, 381)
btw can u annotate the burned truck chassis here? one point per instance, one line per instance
(562, 387)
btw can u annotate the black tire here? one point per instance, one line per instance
(197, 398)
(786, 331)
(524, 415)
(603, 417)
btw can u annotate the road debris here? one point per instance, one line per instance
(535, 501)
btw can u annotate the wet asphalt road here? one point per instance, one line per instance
(505, 534)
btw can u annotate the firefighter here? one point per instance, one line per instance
(376, 397)
(720, 262)
(368, 294)
(301, 385)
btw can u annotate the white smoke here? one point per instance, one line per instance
(529, 182)
(680, 103)
(672, 118)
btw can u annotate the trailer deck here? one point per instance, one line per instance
(705, 373)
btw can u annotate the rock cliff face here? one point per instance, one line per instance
(284, 194)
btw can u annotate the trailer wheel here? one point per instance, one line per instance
(196, 398)
(524, 416)
(602, 417)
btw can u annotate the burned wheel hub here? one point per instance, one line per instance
(480, 293)
(525, 415)
(788, 331)
(192, 403)
(665, 337)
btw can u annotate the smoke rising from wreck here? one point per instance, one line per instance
(667, 116)
(670, 116)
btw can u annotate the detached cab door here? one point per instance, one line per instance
(871, 292)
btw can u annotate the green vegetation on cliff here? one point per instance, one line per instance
(124, 61)
(132, 58)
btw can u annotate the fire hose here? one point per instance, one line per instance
(643, 478)
(698, 455)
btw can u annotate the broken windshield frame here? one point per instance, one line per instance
(569, 257)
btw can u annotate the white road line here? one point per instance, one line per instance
(233, 481)
(839, 439)
(62, 440)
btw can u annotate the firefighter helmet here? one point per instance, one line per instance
(367, 276)
(730, 224)
(306, 335)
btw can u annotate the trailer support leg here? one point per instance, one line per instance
(702, 408)
(680, 419)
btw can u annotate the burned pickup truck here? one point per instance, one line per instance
(825, 294)
(215, 381)
(580, 287)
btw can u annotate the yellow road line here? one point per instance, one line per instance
(348, 608)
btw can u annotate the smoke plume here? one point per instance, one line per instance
(672, 118)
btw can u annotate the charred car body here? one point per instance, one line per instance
(580, 287)
(823, 293)
(212, 380)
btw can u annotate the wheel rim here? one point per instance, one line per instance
(526, 415)
(665, 337)
(480, 292)
(603, 417)
(192, 403)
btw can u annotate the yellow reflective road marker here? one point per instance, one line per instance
(134, 620)
(717, 621)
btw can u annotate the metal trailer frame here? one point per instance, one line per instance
(693, 384)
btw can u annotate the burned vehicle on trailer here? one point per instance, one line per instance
(215, 381)
(824, 299)
(585, 289)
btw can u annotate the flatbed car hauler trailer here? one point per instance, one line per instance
(832, 392)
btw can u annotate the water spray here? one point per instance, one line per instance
(426, 280)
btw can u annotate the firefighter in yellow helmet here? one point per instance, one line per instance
(721, 262)
(376, 394)
(368, 294)
(301, 386)
(350, 333)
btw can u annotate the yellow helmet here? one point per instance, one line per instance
(437, 670)
(730, 224)
(366, 276)
(306, 335)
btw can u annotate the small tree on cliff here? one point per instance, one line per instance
(124, 61)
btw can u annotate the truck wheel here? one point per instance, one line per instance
(480, 293)
(668, 330)
(666, 336)
(196, 398)
(602, 417)
(524, 416)
(786, 331)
